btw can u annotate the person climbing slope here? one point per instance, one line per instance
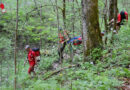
(31, 59)
(63, 37)
(121, 18)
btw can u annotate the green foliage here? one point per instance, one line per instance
(5, 47)
(111, 63)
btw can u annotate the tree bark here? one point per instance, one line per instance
(111, 9)
(105, 20)
(115, 13)
(64, 13)
(58, 26)
(91, 30)
(105, 16)
(73, 18)
(115, 19)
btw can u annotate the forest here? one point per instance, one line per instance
(64, 45)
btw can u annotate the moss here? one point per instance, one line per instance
(94, 38)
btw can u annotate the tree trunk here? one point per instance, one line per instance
(111, 9)
(58, 26)
(115, 13)
(105, 21)
(73, 18)
(64, 13)
(91, 30)
(105, 15)
(115, 19)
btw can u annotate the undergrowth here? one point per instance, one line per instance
(106, 74)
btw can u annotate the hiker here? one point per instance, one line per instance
(121, 17)
(64, 37)
(2, 6)
(31, 59)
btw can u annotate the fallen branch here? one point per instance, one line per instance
(57, 71)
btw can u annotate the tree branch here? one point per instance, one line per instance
(42, 7)
(57, 71)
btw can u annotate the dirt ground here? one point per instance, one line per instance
(126, 84)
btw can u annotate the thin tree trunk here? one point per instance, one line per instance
(105, 21)
(73, 27)
(105, 16)
(15, 52)
(41, 29)
(84, 26)
(115, 19)
(115, 13)
(73, 18)
(111, 9)
(106, 29)
(58, 26)
(91, 26)
(40, 14)
(52, 5)
(64, 13)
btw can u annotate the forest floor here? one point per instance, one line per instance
(125, 85)
(111, 71)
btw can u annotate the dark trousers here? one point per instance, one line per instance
(60, 51)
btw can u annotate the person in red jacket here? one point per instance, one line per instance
(2, 8)
(63, 38)
(123, 15)
(31, 59)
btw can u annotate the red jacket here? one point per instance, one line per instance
(2, 6)
(62, 38)
(119, 17)
(31, 56)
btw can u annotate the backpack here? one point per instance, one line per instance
(77, 41)
(37, 53)
(122, 15)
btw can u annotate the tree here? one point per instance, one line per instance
(115, 13)
(111, 9)
(91, 30)
(105, 19)
(64, 13)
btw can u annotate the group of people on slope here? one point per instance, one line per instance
(64, 39)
